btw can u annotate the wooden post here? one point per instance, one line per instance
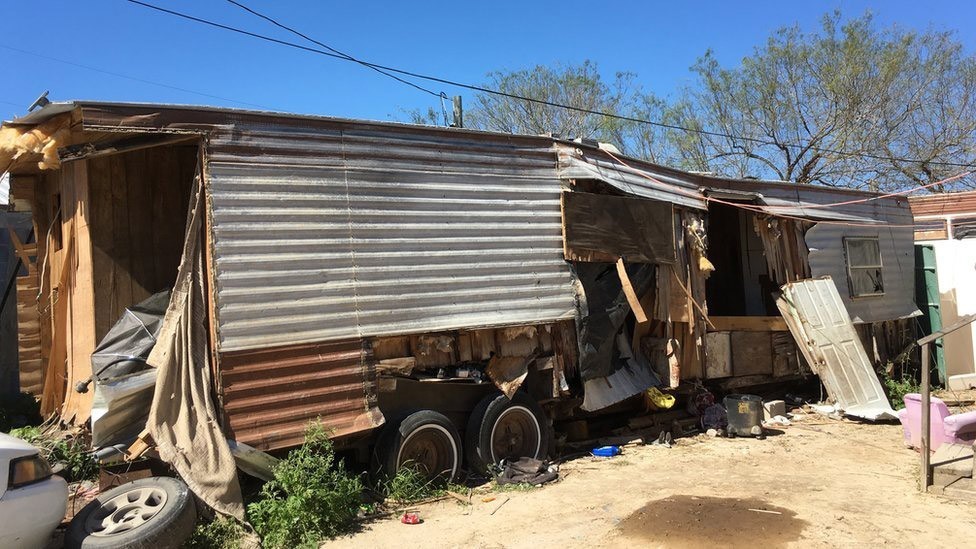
(458, 112)
(926, 420)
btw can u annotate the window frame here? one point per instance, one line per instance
(851, 268)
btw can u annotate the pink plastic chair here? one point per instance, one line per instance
(946, 429)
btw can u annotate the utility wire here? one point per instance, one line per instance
(127, 77)
(333, 50)
(537, 101)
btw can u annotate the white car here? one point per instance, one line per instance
(32, 497)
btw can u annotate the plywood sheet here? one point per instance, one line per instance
(752, 353)
(605, 228)
(718, 360)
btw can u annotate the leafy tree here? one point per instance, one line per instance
(849, 105)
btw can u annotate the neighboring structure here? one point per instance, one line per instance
(355, 271)
(946, 224)
(14, 231)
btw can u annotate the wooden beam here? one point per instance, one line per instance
(748, 324)
(632, 299)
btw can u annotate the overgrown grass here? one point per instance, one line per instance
(62, 448)
(410, 485)
(514, 487)
(311, 498)
(220, 533)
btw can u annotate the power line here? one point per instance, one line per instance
(127, 77)
(333, 50)
(537, 101)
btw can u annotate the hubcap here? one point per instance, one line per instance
(516, 434)
(430, 450)
(126, 511)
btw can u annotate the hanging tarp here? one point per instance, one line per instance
(182, 419)
(123, 381)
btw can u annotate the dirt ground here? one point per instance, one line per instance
(820, 483)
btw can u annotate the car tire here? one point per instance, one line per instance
(526, 425)
(150, 513)
(425, 438)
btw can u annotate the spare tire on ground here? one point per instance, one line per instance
(156, 513)
(500, 428)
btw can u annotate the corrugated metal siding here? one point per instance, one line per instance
(636, 178)
(271, 395)
(826, 244)
(353, 231)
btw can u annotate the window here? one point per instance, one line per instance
(864, 266)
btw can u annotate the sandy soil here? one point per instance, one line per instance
(821, 483)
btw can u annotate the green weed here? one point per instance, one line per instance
(311, 497)
(220, 533)
(410, 485)
(898, 388)
(514, 487)
(62, 448)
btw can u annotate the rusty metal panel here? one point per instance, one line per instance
(824, 332)
(270, 396)
(331, 233)
(944, 204)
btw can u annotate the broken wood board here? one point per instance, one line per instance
(752, 353)
(748, 324)
(508, 372)
(718, 360)
(604, 228)
(632, 299)
(402, 366)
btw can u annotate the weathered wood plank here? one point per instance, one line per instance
(752, 353)
(748, 324)
(605, 228)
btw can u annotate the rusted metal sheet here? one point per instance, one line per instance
(944, 204)
(944, 216)
(358, 231)
(270, 396)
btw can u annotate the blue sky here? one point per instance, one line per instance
(457, 40)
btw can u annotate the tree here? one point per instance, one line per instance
(849, 106)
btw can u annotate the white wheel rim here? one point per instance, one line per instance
(535, 422)
(442, 430)
(126, 511)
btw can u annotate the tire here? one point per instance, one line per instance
(164, 513)
(427, 440)
(527, 426)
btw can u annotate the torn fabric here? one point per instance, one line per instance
(182, 419)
